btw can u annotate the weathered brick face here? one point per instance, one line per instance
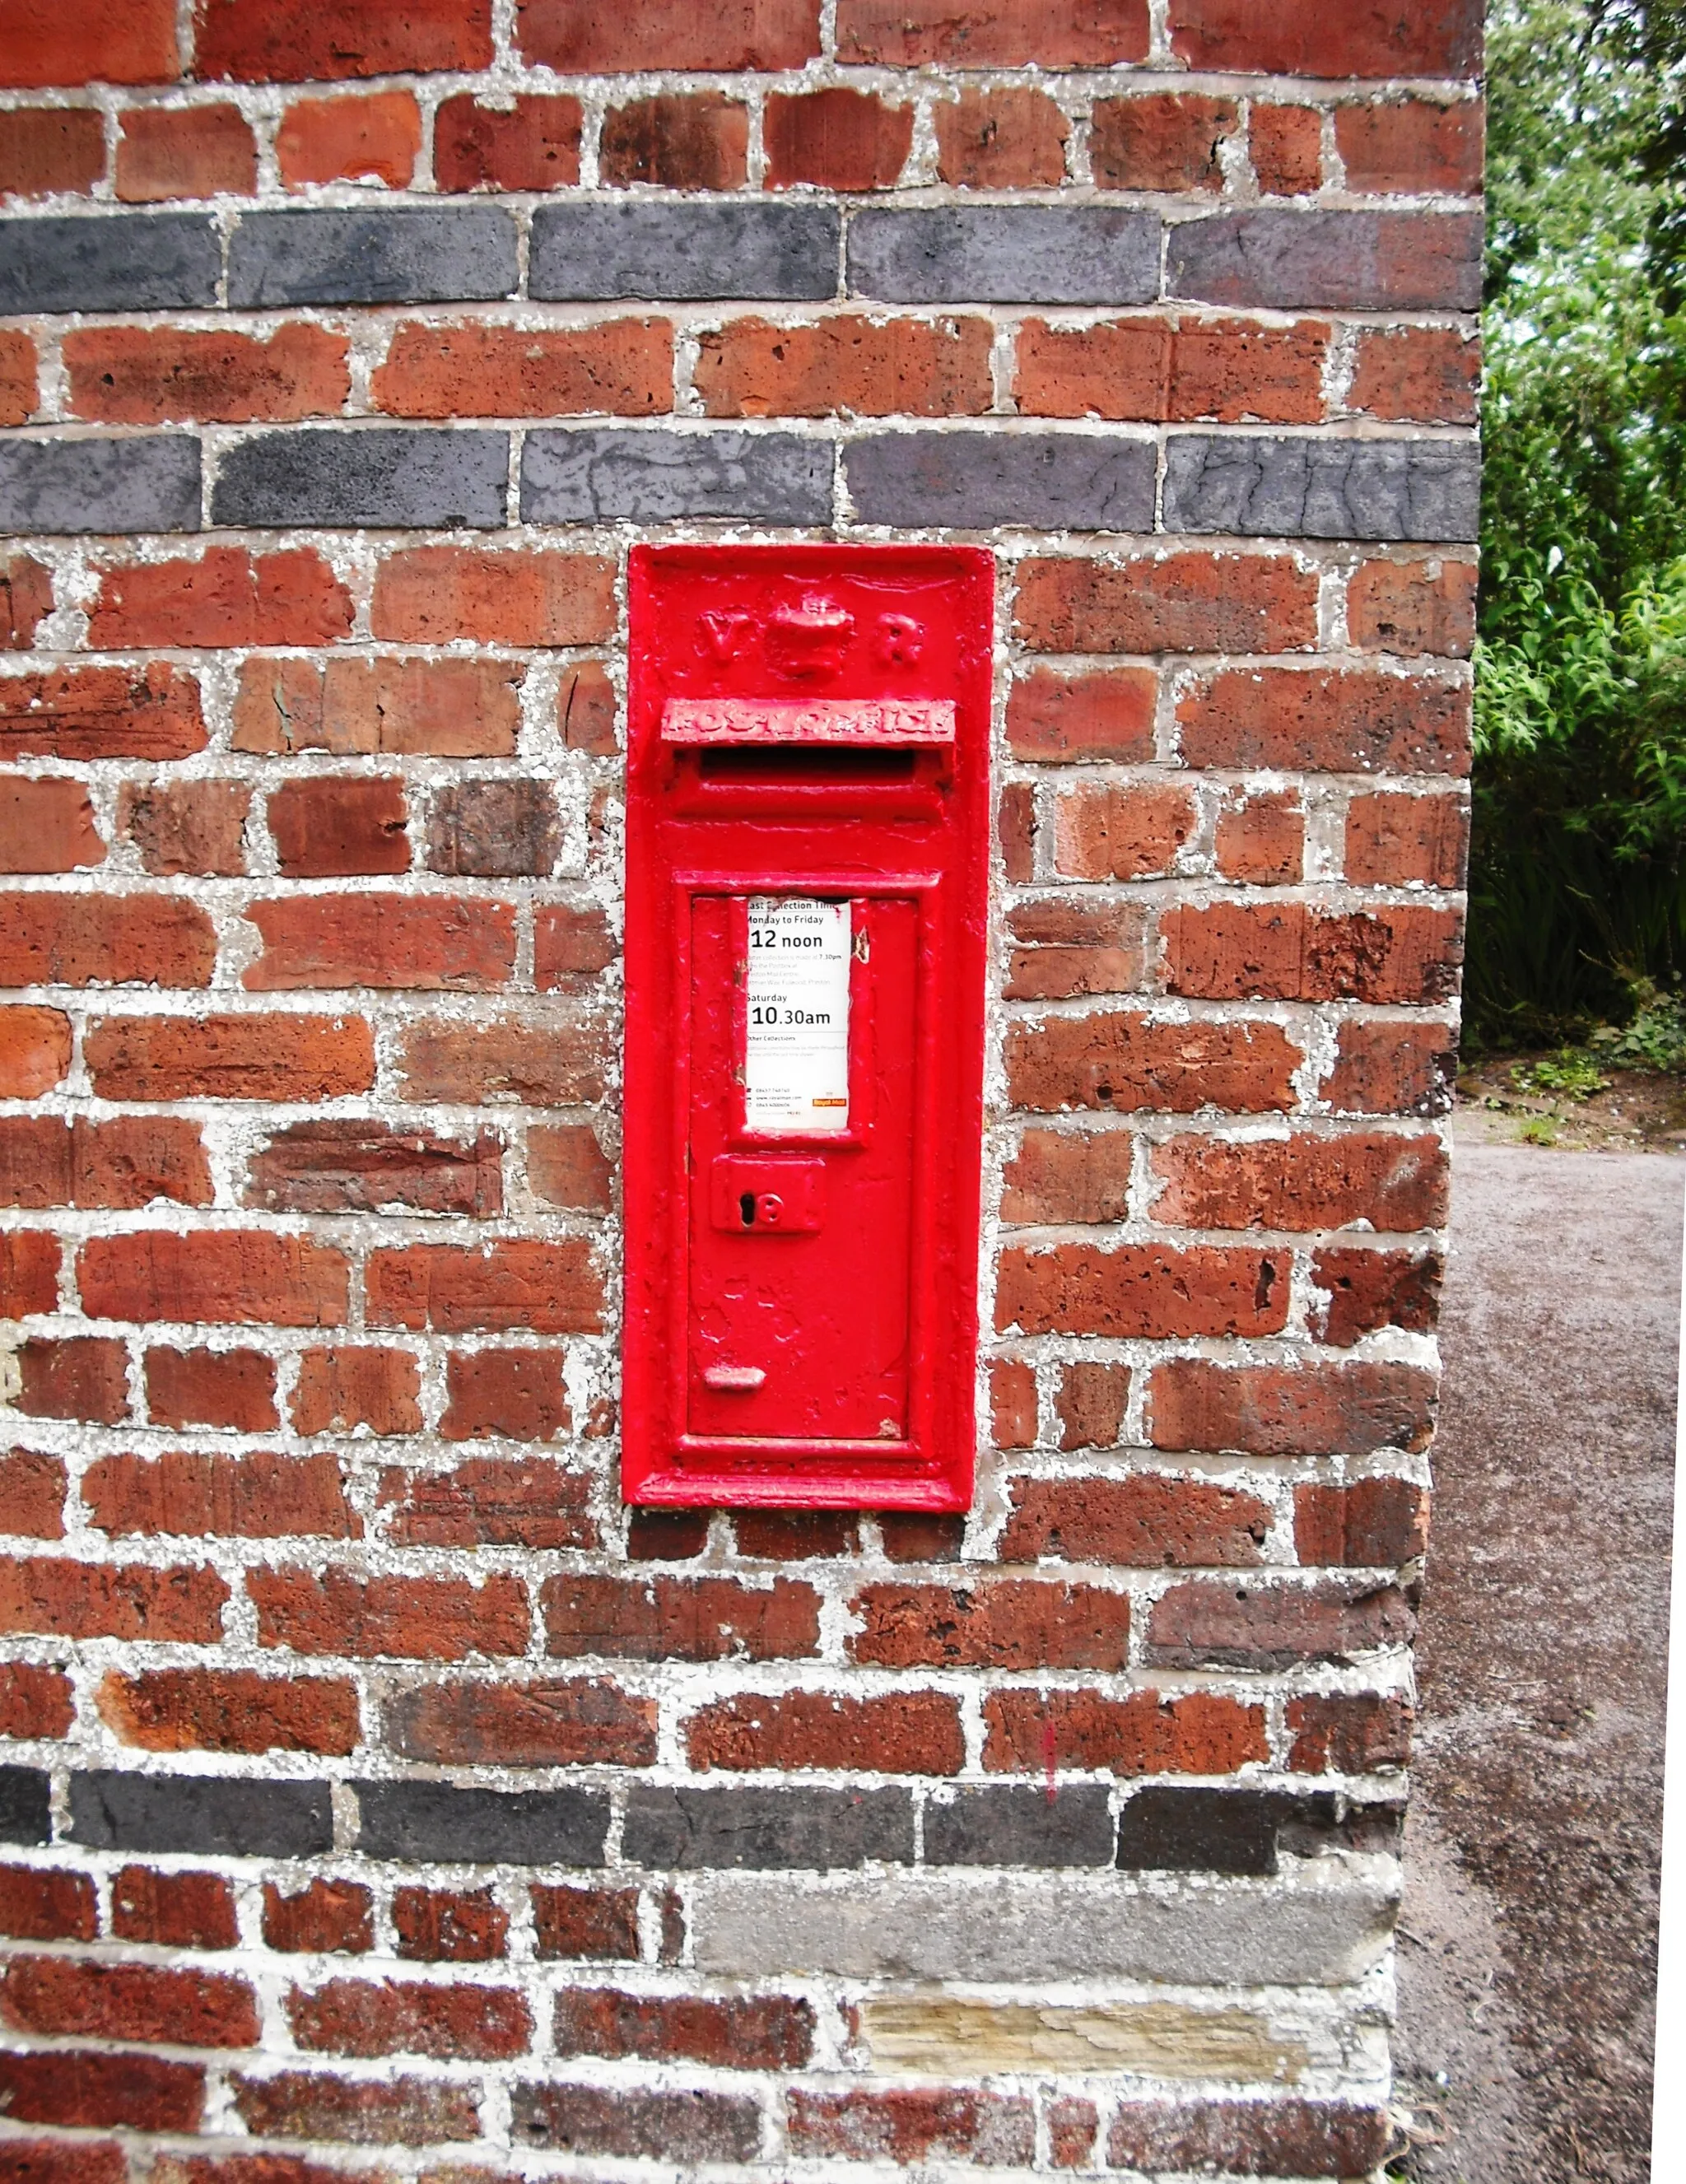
(370, 1778)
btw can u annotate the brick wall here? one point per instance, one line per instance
(379, 1795)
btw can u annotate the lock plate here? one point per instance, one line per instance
(767, 1197)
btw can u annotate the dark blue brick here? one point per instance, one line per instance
(161, 261)
(450, 254)
(1328, 261)
(206, 1814)
(807, 1830)
(1005, 254)
(1261, 487)
(757, 253)
(974, 481)
(380, 477)
(1020, 1826)
(425, 1820)
(653, 478)
(109, 486)
(1196, 1830)
(25, 1815)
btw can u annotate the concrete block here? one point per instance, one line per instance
(133, 262)
(66, 486)
(813, 1830)
(385, 477)
(427, 1821)
(757, 253)
(1006, 254)
(457, 254)
(973, 481)
(1263, 487)
(209, 1815)
(653, 477)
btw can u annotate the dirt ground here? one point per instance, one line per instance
(1527, 1953)
(1501, 1101)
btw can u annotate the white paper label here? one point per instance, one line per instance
(796, 1044)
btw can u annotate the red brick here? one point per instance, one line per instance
(1143, 1733)
(1012, 1404)
(99, 2090)
(1090, 1402)
(1015, 830)
(303, 1058)
(1125, 1061)
(1120, 371)
(1357, 1291)
(1108, 714)
(422, 943)
(1388, 1065)
(1142, 1522)
(129, 1161)
(570, 945)
(1371, 1524)
(37, 1904)
(325, 1917)
(1303, 1183)
(47, 825)
(1142, 1290)
(1291, 951)
(1104, 830)
(325, 829)
(19, 395)
(519, 1393)
(1049, 34)
(1171, 602)
(790, 1536)
(1201, 1625)
(397, 708)
(719, 36)
(226, 596)
(666, 1535)
(1281, 37)
(561, 1061)
(53, 1597)
(1286, 146)
(230, 1710)
(358, 1166)
(442, 1926)
(653, 1618)
(46, 150)
(413, 1619)
(104, 939)
(174, 1910)
(128, 2001)
(1396, 840)
(622, 368)
(386, 2111)
(258, 1497)
(184, 152)
(371, 138)
(195, 827)
(1021, 1624)
(1279, 1410)
(1411, 145)
(699, 140)
(1234, 371)
(150, 712)
(489, 1501)
(100, 41)
(907, 367)
(25, 586)
(567, 1166)
(1066, 1176)
(430, 594)
(550, 1288)
(338, 1391)
(578, 1922)
(1072, 2123)
(29, 1272)
(357, 2017)
(1430, 373)
(1350, 722)
(1073, 944)
(1251, 2138)
(913, 2125)
(744, 2032)
(326, 41)
(243, 2169)
(156, 375)
(1008, 139)
(35, 1702)
(907, 1733)
(1411, 607)
(84, 1377)
(1168, 140)
(533, 145)
(1349, 1736)
(222, 1277)
(234, 1388)
(576, 1722)
(35, 1051)
(836, 139)
(1260, 836)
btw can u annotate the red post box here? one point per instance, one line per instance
(807, 852)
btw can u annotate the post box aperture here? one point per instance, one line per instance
(806, 922)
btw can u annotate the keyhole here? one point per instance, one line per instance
(746, 1207)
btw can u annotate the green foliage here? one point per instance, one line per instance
(1579, 879)
(1571, 1072)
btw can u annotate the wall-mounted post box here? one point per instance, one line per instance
(807, 850)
